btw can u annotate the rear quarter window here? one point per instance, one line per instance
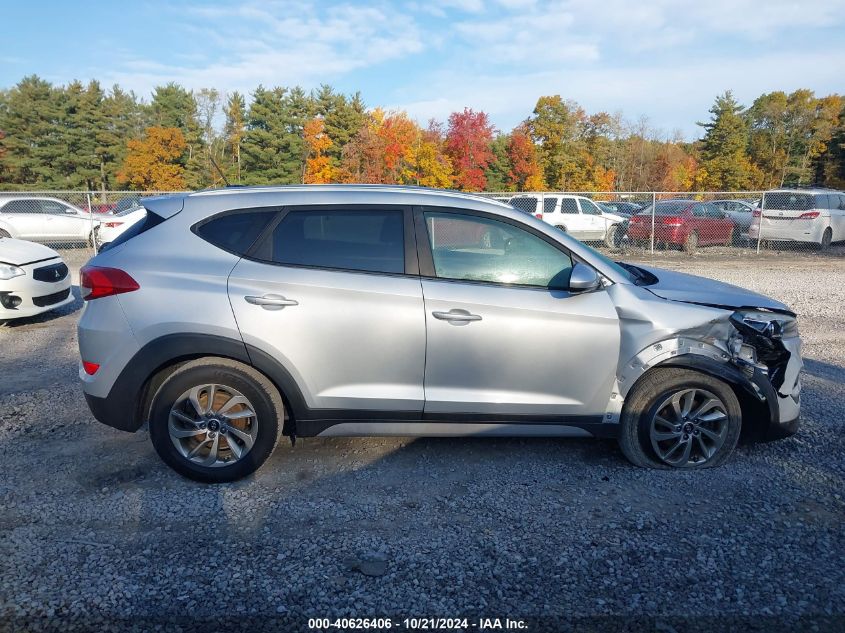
(235, 231)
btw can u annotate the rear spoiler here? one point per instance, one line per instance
(164, 206)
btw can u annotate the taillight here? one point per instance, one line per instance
(673, 221)
(539, 216)
(97, 282)
(810, 215)
(90, 368)
(111, 225)
(756, 213)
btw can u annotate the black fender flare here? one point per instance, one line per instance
(760, 399)
(125, 407)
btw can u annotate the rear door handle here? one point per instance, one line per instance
(456, 316)
(271, 302)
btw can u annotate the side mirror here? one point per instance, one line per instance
(583, 278)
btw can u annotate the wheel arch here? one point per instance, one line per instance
(757, 397)
(139, 381)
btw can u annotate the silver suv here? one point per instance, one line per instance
(226, 319)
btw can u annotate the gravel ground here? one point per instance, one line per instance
(95, 531)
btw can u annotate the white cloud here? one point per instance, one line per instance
(664, 58)
(274, 43)
(672, 95)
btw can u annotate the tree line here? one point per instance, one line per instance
(81, 136)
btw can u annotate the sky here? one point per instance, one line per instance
(662, 59)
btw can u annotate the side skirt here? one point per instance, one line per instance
(450, 429)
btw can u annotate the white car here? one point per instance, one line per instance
(33, 279)
(46, 220)
(112, 226)
(577, 215)
(800, 215)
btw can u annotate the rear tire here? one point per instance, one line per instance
(4, 233)
(183, 425)
(639, 431)
(561, 227)
(827, 239)
(691, 243)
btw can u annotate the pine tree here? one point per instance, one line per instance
(342, 118)
(726, 163)
(273, 149)
(234, 130)
(174, 107)
(30, 118)
(122, 118)
(499, 167)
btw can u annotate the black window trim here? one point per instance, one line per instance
(426, 259)
(410, 246)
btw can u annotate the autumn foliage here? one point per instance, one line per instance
(152, 162)
(468, 141)
(318, 166)
(525, 173)
(86, 137)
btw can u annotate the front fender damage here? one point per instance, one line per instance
(756, 350)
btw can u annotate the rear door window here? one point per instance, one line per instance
(367, 240)
(568, 205)
(549, 205)
(528, 205)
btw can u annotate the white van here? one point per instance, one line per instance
(800, 215)
(577, 215)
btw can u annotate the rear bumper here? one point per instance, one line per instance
(116, 410)
(789, 231)
(669, 234)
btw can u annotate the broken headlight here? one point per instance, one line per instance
(761, 338)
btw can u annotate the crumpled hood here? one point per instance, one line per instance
(701, 290)
(21, 252)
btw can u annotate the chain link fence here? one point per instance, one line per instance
(738, 223)
(697, 223)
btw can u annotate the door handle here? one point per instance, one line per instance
(271, 302)
(456, 316)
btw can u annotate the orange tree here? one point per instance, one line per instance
(152, 162)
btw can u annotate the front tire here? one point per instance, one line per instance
(610, 239)
(679, 418)
(215, 420)
(4, 233)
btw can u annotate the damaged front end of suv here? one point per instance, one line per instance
(746, 340)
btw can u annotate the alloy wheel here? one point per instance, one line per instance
(213, 425)
(688, 427)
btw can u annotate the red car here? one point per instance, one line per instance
(685, 223)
